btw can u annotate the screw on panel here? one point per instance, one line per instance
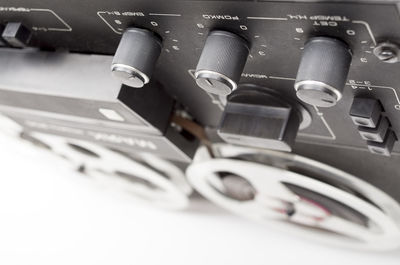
(387, 52)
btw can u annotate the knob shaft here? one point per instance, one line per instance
(323, 71)
(136, 57)
(221, 63)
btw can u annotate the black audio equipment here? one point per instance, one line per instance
(286, 112)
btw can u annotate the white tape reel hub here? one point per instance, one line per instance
(149, 178)
(298, 195)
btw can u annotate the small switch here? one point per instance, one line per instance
(375, 134)
(16, 35)
(365, 112)
(385, 148)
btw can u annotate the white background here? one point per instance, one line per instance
(50, 215)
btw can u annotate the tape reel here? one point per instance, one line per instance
(298, 195)
(145, 176)
(149, 178)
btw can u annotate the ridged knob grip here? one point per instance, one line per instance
(221, 62)
(323, 71)
(136, 57)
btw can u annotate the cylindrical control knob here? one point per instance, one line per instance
(136, 56)
(323, 71)
(221, 63)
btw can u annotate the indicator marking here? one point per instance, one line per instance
(368, 29)
(267, 18)
(165, 15)
(99, 13)
(282, 78)
(67, 27)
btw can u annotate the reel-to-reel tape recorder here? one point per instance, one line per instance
(284, 112)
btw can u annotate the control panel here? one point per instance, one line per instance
(319, 54)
